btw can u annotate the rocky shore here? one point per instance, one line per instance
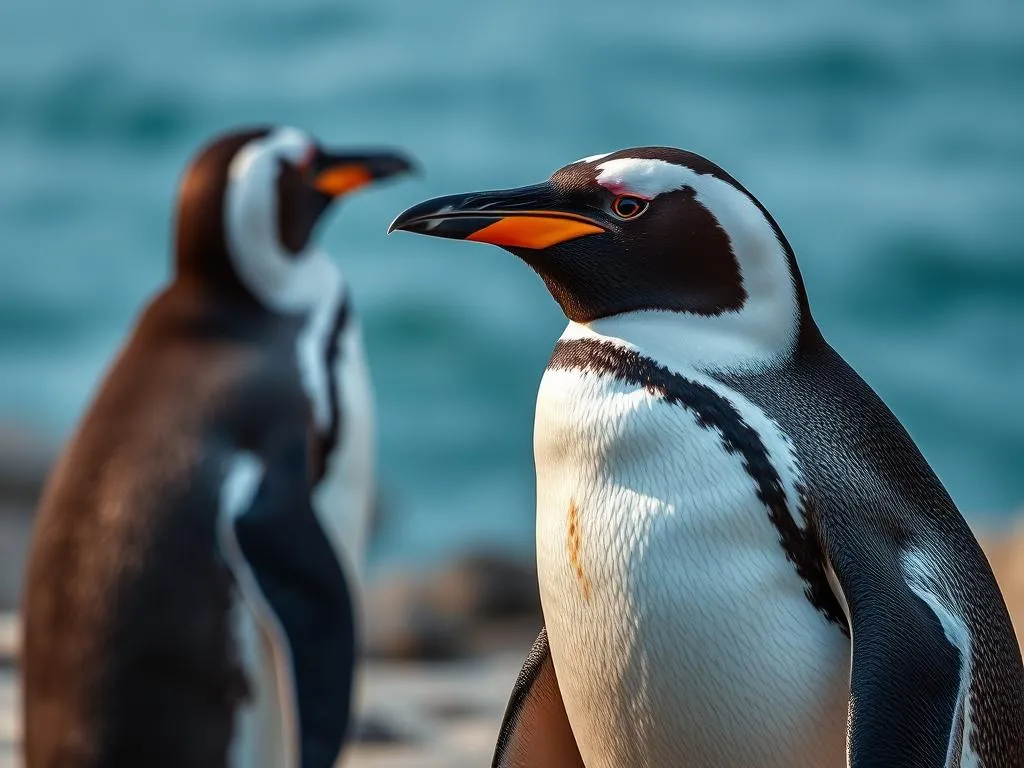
(24, 462)
(444, 645)
(411, 714)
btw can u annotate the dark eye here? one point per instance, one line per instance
(626, 207)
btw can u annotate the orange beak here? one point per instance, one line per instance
(528, 218)
(534, 230)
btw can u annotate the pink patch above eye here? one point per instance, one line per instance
(618, 188)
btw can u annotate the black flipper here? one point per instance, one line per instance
(305, 587)
(906, 688)
(535, 731)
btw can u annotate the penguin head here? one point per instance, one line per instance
(649, 229)
(249, 204)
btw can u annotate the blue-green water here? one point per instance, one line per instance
(887, 137)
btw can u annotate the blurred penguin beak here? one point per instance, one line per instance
(339, 173)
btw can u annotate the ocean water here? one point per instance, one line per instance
(887, 137)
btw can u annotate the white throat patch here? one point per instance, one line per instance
(280, 281)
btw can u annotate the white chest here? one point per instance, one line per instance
(680, 633)
(344, 497)
(339, 387)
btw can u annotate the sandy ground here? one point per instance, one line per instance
(437, 715)
(446, 715)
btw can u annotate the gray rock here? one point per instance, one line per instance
(377, 730)
(471, 605)
(25, 461)
(15, 536)
(403, 622)
(487, 586)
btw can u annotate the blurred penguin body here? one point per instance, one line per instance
(191, 590)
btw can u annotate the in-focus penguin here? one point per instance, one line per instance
(743, 558)
(189, 598)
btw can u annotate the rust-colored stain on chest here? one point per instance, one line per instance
(574, 542)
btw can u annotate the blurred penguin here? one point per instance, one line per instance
(190, 591)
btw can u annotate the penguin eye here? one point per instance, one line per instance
(627, 207)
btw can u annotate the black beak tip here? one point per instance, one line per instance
(402, 163)
(379, 164)
(398, 223)
(415, 218)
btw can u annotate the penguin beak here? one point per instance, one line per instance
(529, 217)
(338, 173)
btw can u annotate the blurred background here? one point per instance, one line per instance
(886, 137)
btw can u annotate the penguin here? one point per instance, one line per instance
(743, 558)
(191, 590)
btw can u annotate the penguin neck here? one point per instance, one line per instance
(757, 337)
(289, 286)
(304, 287)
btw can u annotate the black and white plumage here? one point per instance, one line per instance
(191, 591)
(743, 557)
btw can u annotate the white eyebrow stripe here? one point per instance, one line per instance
(592, 158)
(643, 177)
